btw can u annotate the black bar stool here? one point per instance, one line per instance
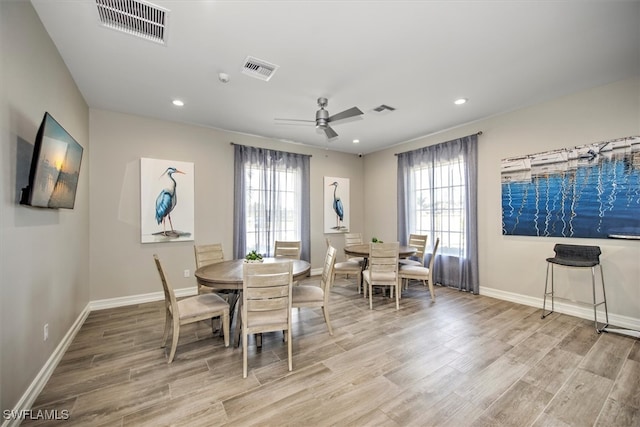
(577, 256)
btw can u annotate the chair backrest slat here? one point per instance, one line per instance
(418, 241)
(268, 304)
(208, 254)
(288, 249)
(352, 239)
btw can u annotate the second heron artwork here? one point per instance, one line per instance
(336, 205)
(166, 201)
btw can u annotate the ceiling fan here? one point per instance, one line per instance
(323, 119)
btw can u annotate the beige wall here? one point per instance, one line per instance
(44, 253)
(122, 266)
(516, 264)
(52, 263)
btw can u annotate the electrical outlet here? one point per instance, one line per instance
(46, 331)
(187, 273)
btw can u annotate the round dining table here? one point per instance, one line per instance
(362, 250)
(227, 275)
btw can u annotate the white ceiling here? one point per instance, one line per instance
(416, 56)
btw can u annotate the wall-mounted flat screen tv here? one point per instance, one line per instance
(55, 168)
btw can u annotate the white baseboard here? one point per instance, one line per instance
(563, 306)
(31, 394)
(103, 304)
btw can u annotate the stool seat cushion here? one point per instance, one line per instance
(576, 255)
(572, 262)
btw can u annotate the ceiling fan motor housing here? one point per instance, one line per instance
(322, 117)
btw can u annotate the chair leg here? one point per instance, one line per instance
(604, 296)
(237, 329)
(325, 311)
(364, 290)
(431, 291)
(596, 304)
(370, 296)
(289, 349)
(167, 325)
(174, 339)
(544, 300)
(244, 353)
(225, 327)
(397, 294)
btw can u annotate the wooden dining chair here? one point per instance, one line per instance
(347, 268)
(287, 249)
(383, 270)
(207, 255)
(306, 295)
(418, 241)
(353, 239)
(425, 274)
(189, 310)
(266, 303)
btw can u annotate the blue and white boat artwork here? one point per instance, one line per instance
(589, 191)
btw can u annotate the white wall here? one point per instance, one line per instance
(121, 266)
(44, 253)
(516, 264)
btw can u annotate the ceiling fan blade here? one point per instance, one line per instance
(351, 112)
(294, 120)
(330, 132)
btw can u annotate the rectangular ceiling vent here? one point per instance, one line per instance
(258, 68)
(383, 107)
(138, 18)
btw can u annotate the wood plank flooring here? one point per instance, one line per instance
(464, 360)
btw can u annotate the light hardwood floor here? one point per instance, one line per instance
(462, 361)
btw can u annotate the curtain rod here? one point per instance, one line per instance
(242, 145)
(472, 134)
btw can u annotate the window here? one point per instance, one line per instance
(437, 196)
(272, 207)
(271, 200)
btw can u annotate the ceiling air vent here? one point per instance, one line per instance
(383, 107)
(134, 17)
(258, 68)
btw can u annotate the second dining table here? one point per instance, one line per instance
(362, 250)
(227, 276)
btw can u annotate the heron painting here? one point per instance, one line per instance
(164, 216)
(336, 205)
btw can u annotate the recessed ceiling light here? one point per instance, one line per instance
(356, 141)
(460, 101)
(178, 103)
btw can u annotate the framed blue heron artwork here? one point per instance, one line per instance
(336, 205)
(166, 201)
(588, 191)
